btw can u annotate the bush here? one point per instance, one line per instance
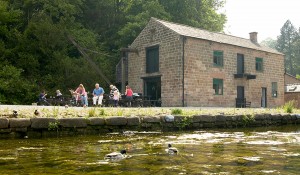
(289, 106)
(102, 112)
(92, 112)
(176, 111)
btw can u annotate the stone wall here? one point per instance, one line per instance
(289, 79)
(289, 96)
(170, 62)
(200, 72)
(45, 127)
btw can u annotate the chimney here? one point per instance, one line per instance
(253, 37)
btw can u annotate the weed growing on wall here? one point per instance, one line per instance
(53, 126)
(186, 121)
(248, 119)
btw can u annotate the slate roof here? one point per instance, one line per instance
(216, 37)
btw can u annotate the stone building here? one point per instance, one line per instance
(186, 66)
(292, 89)
(292, 93)
(290, 79)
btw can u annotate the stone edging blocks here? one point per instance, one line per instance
(152, 123)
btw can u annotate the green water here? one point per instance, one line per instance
(252, 151)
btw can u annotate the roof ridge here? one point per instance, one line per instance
(186, 30)
(198, 28)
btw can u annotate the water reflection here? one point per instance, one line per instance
(257, 151)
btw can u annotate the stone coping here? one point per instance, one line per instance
(142, 123)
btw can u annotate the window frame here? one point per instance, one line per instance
(148, 66)
(274, 89)
(219, 85)
(261, 61)
(219, 56)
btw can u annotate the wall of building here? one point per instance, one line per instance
(289, 79)
(170, 61)
(292, 96)
(200, 72)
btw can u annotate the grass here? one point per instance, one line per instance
(176, 111)
(61, 112)
(92, 112)
(289, 106)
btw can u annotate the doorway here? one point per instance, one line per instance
(152, 90)
(264, 97)
(240, 98)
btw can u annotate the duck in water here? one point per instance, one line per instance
(116, 155)
(171, 150)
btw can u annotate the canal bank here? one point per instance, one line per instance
(50, 126)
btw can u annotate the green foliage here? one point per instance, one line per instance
(14, 89)
(102, 112)
(248, 119)
(92, 112)
(176, 111)
(53, 126)
(55, 111)
(289, 106)
(288, 43)
(269, 42)
(185, 121)
(37, 55)
(140, 13)
(202, 14)
(120, 113)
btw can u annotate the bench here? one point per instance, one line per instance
(242, 103)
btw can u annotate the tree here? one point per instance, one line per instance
(286, 44)
(13, 88)
(37, 53)
(269, 42)
(139, 13)
(296, 51)
(198, 13)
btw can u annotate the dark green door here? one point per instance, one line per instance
(240, 99)
(264, 97)
(152, 89)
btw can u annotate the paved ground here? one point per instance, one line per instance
(51, 107)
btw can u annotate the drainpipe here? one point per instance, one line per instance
(183, 65)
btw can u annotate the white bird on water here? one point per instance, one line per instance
(172, 150)
(116, 155)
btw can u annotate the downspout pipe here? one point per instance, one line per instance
(183, 65)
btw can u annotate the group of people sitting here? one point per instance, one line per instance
(98, 93)
(80, 94)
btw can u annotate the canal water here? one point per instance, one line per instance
(241, 151)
